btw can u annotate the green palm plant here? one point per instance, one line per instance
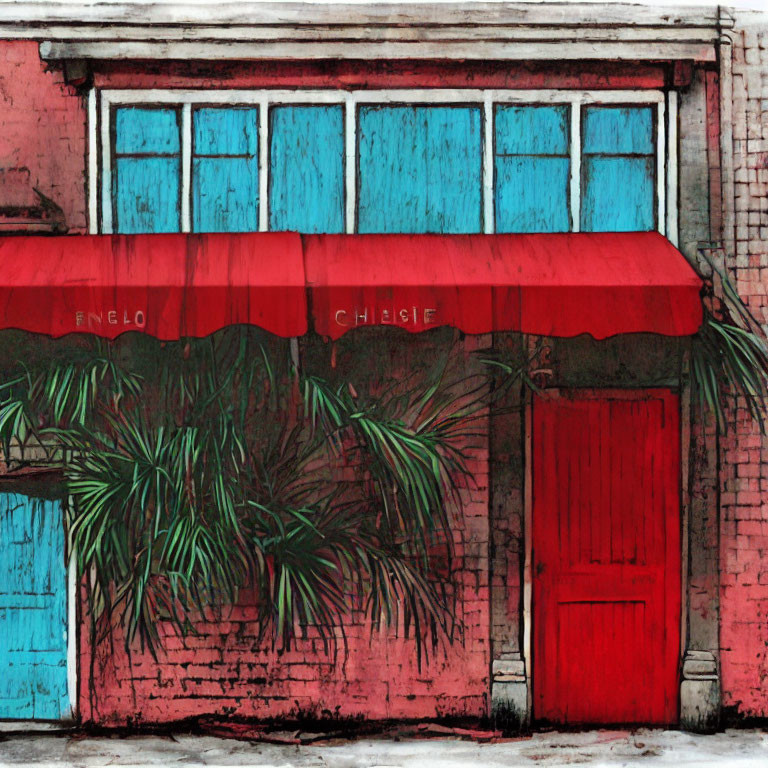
(197, 469)
(729, 354)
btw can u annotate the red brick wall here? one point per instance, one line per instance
(42, 131)
(744, 453)
(43, 136)
(225, 670)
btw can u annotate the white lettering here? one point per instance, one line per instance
(341, 317)
(90, 319)
(385, 316)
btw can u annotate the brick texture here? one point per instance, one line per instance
(42, 137)
(744, 453)
(224, 669)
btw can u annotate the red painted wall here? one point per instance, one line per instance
(744, 570)
(744, 452)
(392, 74)
(43, 145)
(42, 134)
(225, 670)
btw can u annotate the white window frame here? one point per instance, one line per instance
(101, 103)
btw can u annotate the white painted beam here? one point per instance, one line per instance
(210, 12)
(366, 33)
(212, 30)
(671, 166)
(473, 50)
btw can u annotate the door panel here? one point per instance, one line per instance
(606, 554)
(33, 609)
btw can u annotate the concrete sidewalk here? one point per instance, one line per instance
(644, 747)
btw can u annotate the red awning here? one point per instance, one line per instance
(178, 285)
(168, 286)
(543, 284)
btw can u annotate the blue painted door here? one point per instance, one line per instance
(33, 609)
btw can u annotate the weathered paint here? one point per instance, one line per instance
(33, 609)
(42, 132)
(228, 667)
(532, 168)
(588, 75)
(147, 170)
(557, 284)
(306, 168)
(139, 130)
(617, 169)
(617, 194)
(147, 195)
(480, 32)
(225, 169)
(715, 208)
(618, 130)
(169, 286)
(606, 557)
(420, 169)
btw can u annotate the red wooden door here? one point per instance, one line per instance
(606, 557)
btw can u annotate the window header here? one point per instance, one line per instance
(478, 31)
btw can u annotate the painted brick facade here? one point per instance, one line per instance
(225, 669)
(42, 137)
(744, 453)
(220, 670)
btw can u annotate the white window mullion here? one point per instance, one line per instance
(671, 167)
(350, 162)
(106, 168)
(93, 164)
(575, 188)
(186, 168)
(489, 219)
(661, 182)
(263, 165)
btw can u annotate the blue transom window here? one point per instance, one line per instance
(448, 162)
